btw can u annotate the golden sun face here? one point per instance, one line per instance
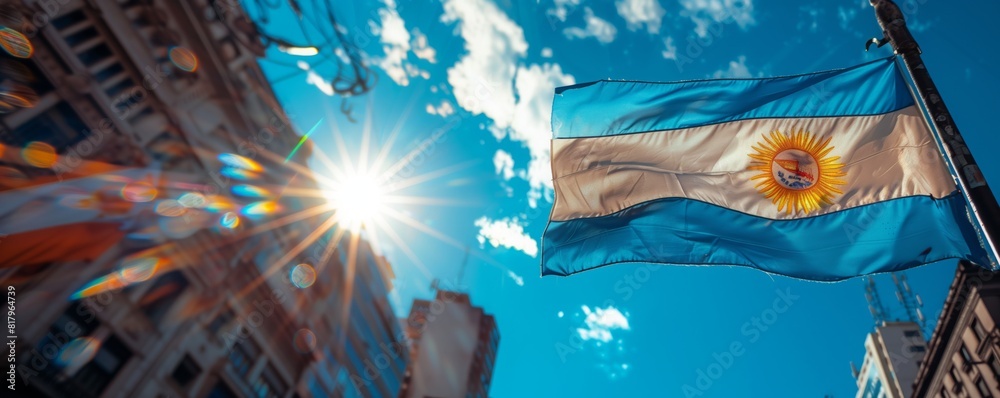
(795, 171)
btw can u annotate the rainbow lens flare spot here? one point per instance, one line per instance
(15, 43)
(78, 352)
(261, 208)
(302, 276)
(240, 162)
(39, 154)
(139, 192)
(304, 341)
(250, 191)
(170, 208)
(138, 269)
(229, 220)
(183, 59)
(192, 200)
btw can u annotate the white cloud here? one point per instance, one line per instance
(670, 52)
(737, 69)
(315, 79)
(494, 44)
(532, 121)
(846, 17)
(517, 278)
(421, 48)
(596, 27)
(520, 111)
(504, 164)
(443, 110)
(641, 12)
(546, 52)
(395, 40)
(505, 232)
(600, 323)
(705, 13)
(561, 8)
(811, 21)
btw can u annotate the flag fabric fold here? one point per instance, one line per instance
(821, 176)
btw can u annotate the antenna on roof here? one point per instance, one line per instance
(911, 301)
(874, 302)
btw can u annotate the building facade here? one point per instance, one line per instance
(453, 348)
(963, 358)
(155, 91)
(892, 356)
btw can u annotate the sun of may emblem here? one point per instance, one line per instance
(795, 171)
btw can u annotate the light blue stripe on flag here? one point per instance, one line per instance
(881, 237)
(623, 107)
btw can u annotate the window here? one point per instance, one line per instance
(943, 393)
(911, 333)
(185, 372)
(221, 390)
(995, 366)
(917, 348)
(95, 376)
(269, 384)
(220, 321)
(161, 296)
(978, 330)
(984, 391)
(956, 377)
(966, 357)
(242, 356)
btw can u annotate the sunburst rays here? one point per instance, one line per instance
(795, 171)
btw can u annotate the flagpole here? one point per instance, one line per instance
(983, 204)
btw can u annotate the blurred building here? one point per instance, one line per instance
(182, 288)
(453, 348)
(892, 356)
(963, 358)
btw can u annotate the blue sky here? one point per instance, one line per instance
(481, 72)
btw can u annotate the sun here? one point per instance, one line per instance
(359, 200)
(795, 171)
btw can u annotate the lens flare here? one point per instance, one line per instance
(229, 220)
(240, 162)
(15, 43)
(183, 59)
(192, 200)
(250, 191)
(138, 269)
(170, 208)
(39, 154)
(18, 95)
(139, 192)
(239, 174)
(78, 201)
(78, 352)
(304, 341)
(302, 276)
(261, 208)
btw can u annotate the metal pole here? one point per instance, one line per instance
(983, 204)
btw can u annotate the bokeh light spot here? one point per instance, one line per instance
(239, 174)
(78, 352)
(139, 191)
(15, 43)
(261, 208)
(39, 154)
(240, 162)
(192, 200)
(229, 220)
(183, 59)
(302, 276)
(18, 95)
(250, 191)
(170, 208)
(138, 269)
(304, 341)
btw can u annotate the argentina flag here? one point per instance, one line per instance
(822, 176)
